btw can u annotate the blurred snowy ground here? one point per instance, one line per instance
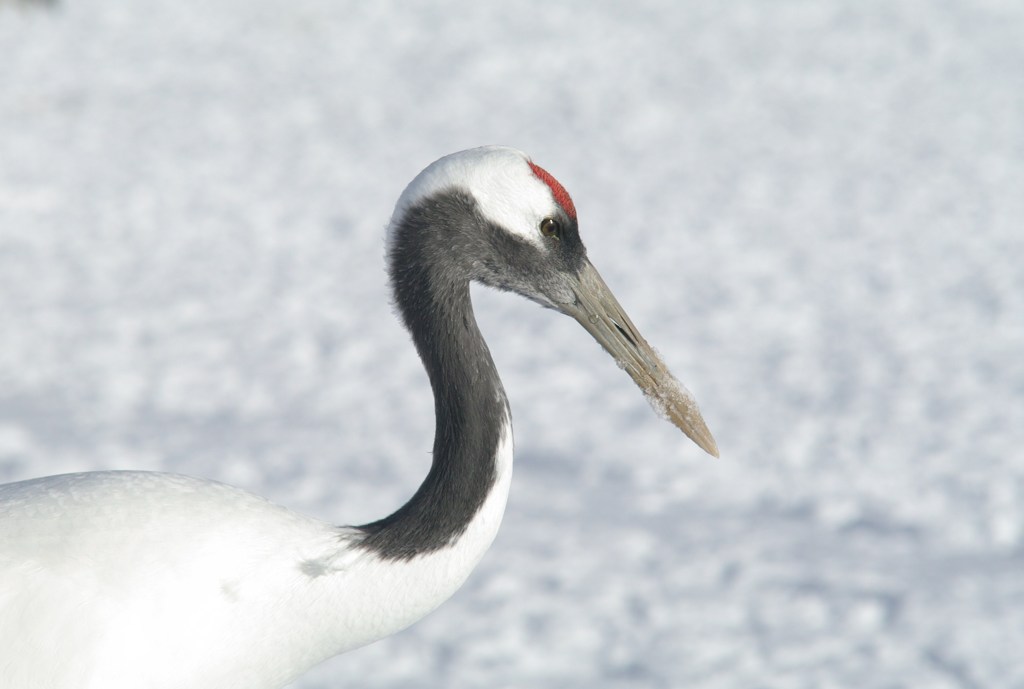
(814, 210)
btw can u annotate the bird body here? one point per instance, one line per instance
(123, 579)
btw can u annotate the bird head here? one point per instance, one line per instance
(493, 215)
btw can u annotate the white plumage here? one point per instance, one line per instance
(121, 580)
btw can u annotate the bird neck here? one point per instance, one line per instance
(473, 423)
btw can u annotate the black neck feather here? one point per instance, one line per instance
(432, 295)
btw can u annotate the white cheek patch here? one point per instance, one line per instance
(515, 200)
(501, 180)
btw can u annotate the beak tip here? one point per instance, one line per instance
(702, 437)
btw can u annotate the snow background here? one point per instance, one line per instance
(813, 209)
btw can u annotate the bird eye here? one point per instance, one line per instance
(549, 227)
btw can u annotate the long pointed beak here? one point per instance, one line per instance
(597, 310)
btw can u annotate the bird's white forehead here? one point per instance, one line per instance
(501, 181)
